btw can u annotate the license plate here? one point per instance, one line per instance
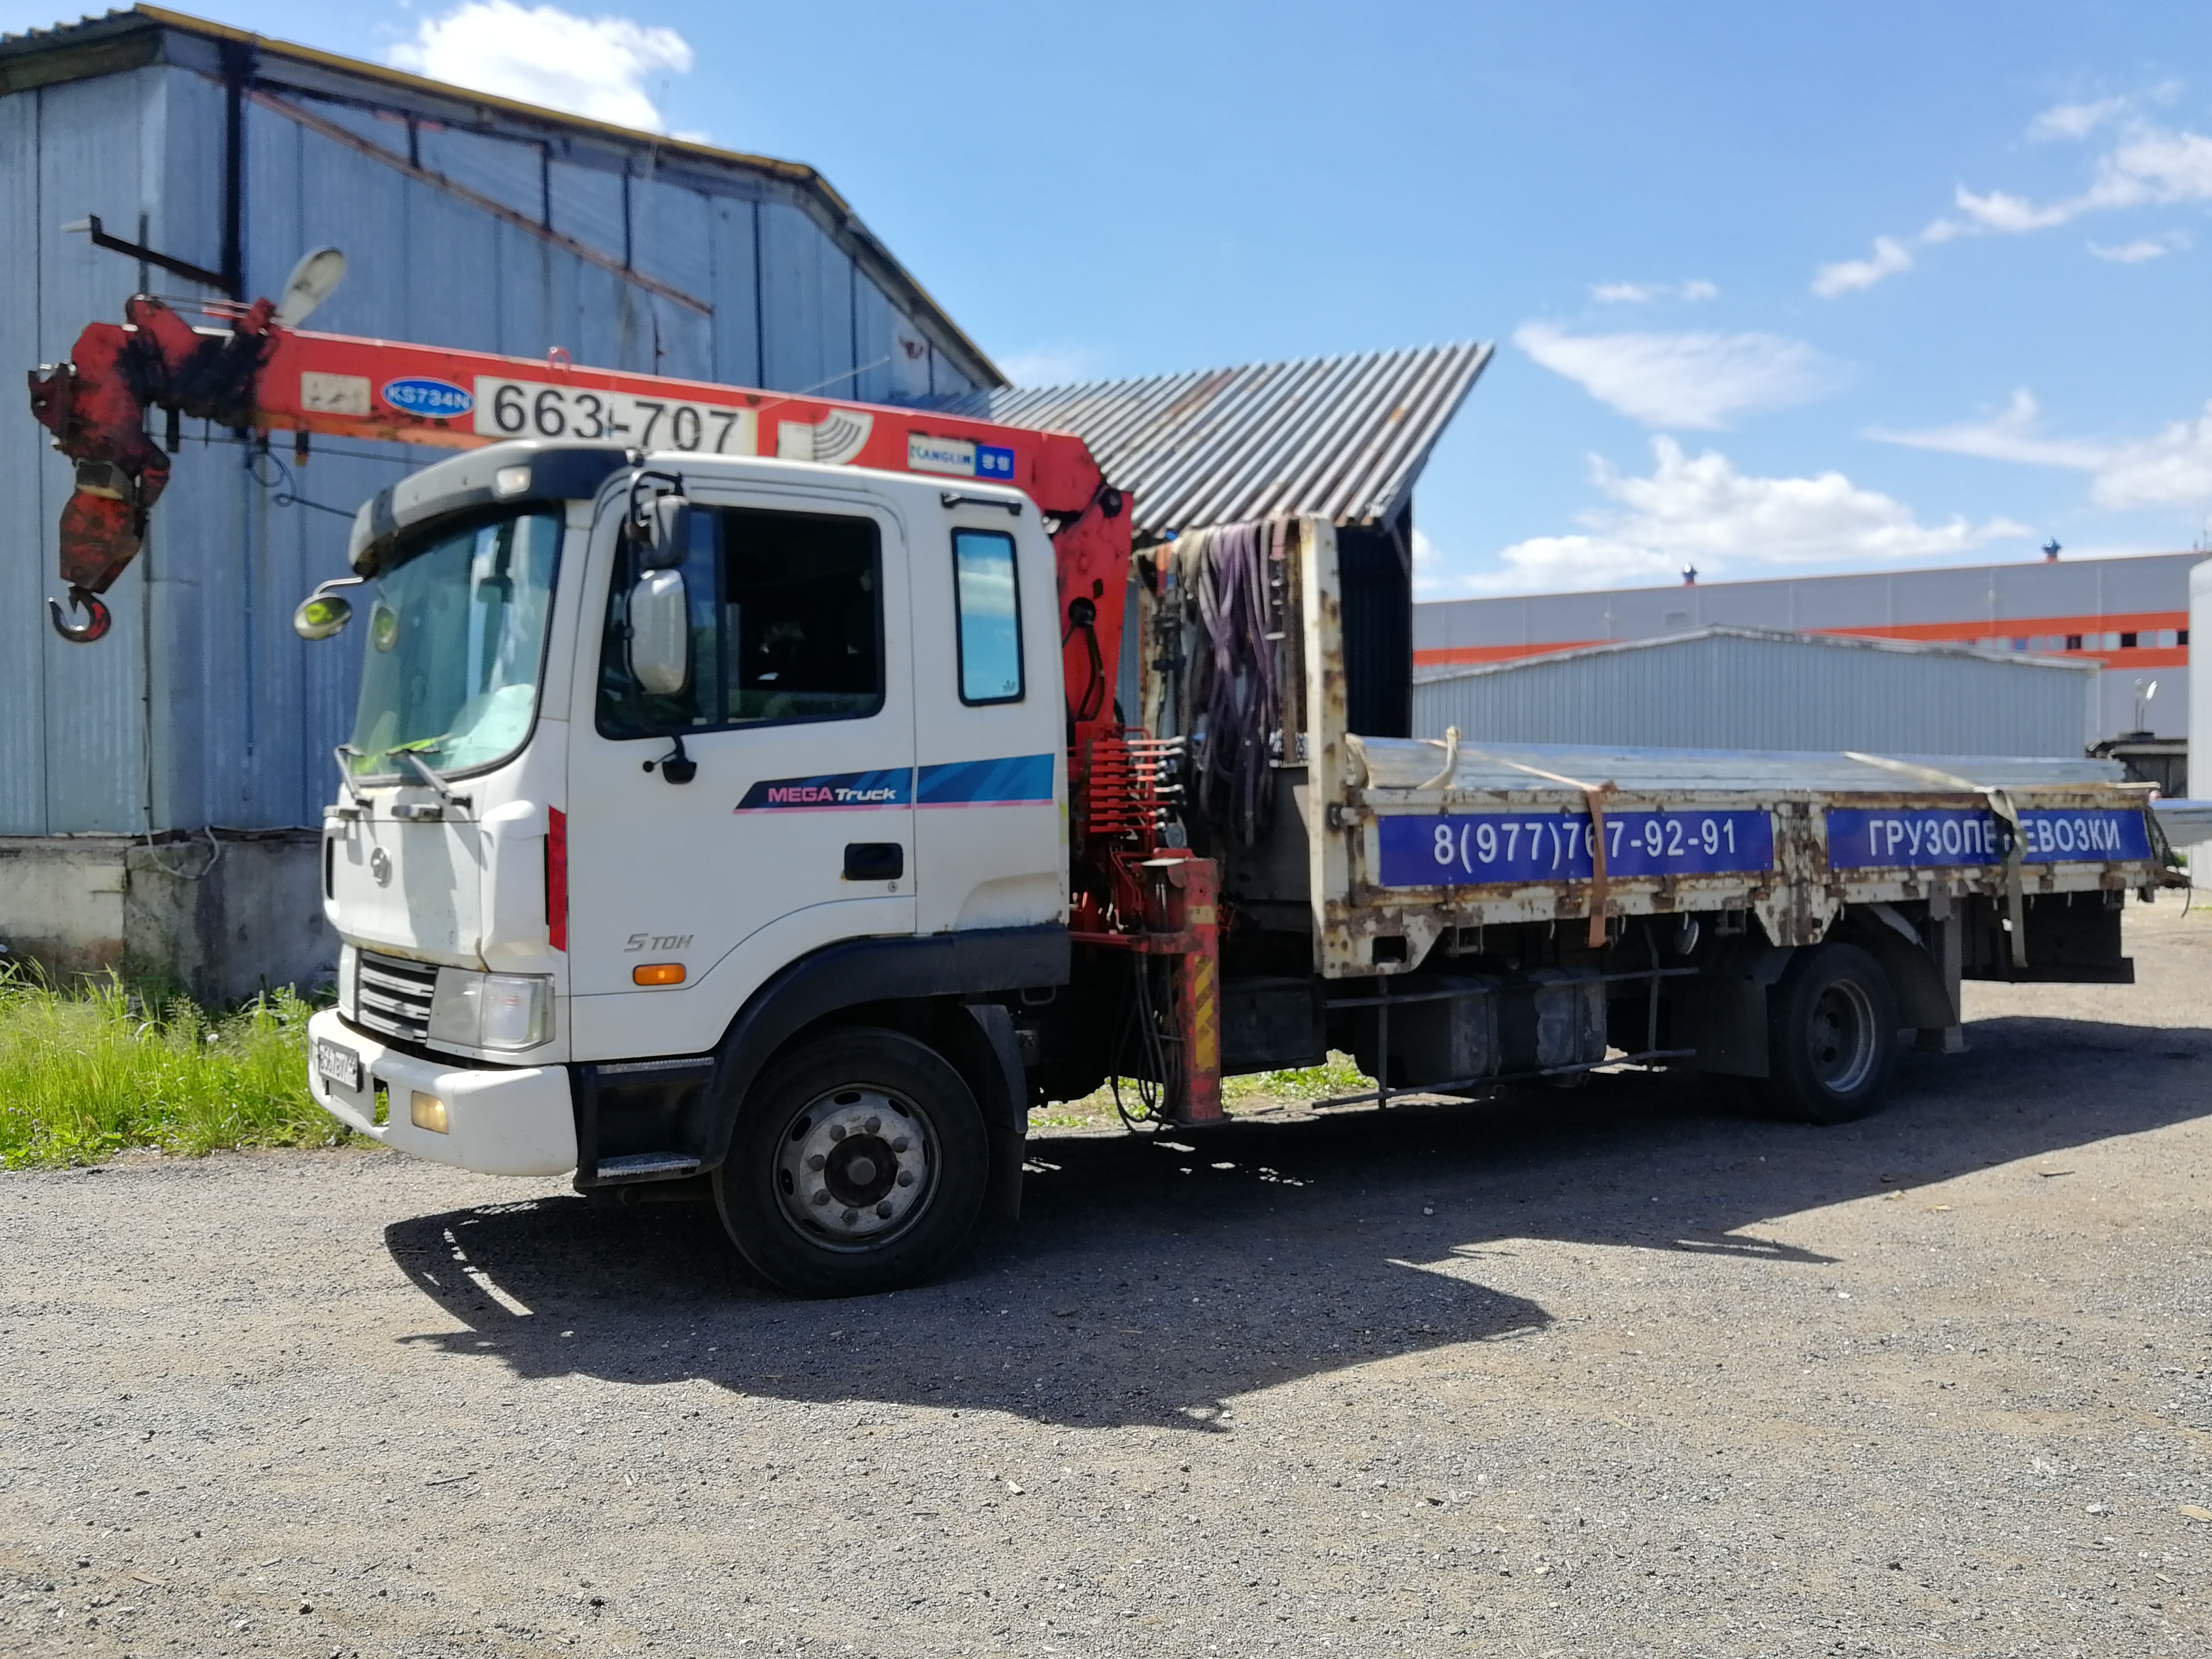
(335, 1063)
(534, 408)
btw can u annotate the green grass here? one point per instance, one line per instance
(86, 1073)
(1255, 1092)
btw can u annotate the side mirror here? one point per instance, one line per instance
(325, 612)
(662, 531)
(660, 632)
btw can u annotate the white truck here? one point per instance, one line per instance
(742, 790)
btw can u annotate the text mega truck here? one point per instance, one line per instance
(741, 788)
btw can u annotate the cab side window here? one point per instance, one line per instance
(786, 624)
(987, 601)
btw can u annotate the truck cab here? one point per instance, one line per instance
(702, 814)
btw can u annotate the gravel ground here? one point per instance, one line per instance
(1615, 1370)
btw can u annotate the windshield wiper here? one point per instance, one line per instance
(344, 754)
(445, 791)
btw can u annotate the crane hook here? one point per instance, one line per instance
(97, 619)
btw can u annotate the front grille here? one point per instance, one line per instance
(392, 995)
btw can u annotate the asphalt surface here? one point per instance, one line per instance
(1615, 1370)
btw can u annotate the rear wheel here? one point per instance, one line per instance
(857, 1165)
(1831, 1035)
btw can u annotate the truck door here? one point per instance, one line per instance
(990, 818)
(797, 828)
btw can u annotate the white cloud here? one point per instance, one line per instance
(1429, 577)
(2008, 214)
(2155, 167)
(2148, 166)
(1699, 510)
(596, 67)
(2143, 248)
(2174, 469)
(1697, 380)
(1616, 293)
(2008, 436)
(1890, 257)
(2076, 120)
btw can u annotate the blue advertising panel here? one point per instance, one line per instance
(1891, 838)
(1459, 848)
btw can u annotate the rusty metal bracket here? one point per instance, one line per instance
(90, 226)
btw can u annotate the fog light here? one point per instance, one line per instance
(510, 481)
(425, 1112)
(657, 973)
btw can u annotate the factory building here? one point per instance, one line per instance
(1738, 688)
(2129, 617)
(155, 789)
(218, 158)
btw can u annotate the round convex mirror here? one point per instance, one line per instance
(322, 614)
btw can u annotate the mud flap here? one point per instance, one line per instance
(1005, 1113)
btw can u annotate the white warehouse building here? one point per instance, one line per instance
(1742, 688)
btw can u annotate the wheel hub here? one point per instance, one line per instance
(1841, 1037)
(856, 1166)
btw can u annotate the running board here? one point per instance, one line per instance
(646, 1166)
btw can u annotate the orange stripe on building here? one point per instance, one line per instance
(2007, 628)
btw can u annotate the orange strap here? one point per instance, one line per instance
(1594, 795)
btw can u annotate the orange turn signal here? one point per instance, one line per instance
(657, 973)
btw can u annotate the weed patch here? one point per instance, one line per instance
(84, 1073)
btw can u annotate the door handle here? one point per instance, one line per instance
(874, 860)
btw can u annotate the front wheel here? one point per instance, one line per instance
(1831, 1035)
(857, 1165)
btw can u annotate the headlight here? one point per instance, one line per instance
(491, 1011)
(348, 980)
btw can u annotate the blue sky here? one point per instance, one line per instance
(1775, 288)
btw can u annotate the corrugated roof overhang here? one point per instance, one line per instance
(1342, 437)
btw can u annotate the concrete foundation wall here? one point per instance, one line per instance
(221, 916)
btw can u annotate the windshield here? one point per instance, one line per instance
(456, 636)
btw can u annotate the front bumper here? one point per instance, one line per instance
(500, 1121)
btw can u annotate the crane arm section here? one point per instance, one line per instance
(250, 373)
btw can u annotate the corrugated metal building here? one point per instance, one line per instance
(1738, 688)
(467, 220)
(2127, 616)
(1343, 438)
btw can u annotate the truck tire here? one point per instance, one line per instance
(1831, 1035)
(857, 1164)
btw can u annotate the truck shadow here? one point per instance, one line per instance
(1154, 1277)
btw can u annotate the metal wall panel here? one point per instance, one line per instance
(672, 236)
(92, 156)
(806, 296)
(509, 172)
(587, 204)
(876, 341)
(1730, 691)
(947, 382)
(25, 465)
(384, 128)
(735, 292)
